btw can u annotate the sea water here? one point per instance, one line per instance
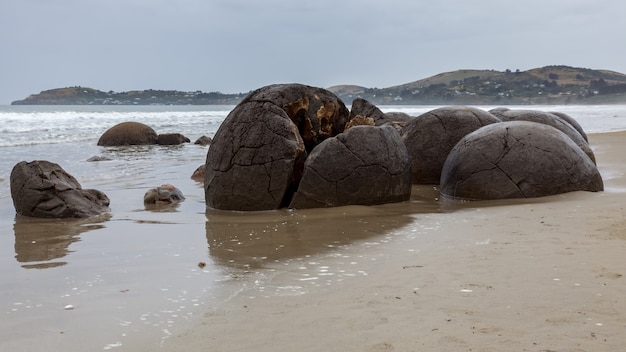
(106, 283)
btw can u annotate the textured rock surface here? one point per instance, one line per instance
(517, 159)
(128, 133)
(430, 137)
(43, 189)
(256, 158)
(549, 119)
(363, 108)
(366, 165)
(165, 193)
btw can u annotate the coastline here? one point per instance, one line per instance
(536, 274)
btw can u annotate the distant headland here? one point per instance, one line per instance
(545, 85)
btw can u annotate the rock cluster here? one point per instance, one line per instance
(298, 146)
(137, 133)
(286, 139)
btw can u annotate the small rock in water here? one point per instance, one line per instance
(164, 193)
(69, 307)
(98, 158)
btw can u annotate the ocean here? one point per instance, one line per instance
(139, 276)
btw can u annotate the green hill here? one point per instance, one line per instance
(545, 85)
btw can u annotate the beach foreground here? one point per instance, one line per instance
(534, 275)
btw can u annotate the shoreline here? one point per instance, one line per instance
(534, 274)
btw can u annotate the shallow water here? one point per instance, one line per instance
(134, 277)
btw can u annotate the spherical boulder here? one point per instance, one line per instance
(517, 159)
(366, 165)
(43, 189)
(430, 136)
(128, 133)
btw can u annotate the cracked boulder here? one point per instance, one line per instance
(256, 158)
(517, 159)
(430, 137)
(558, 121)
(128, 133)
(43, 189)
(366, 165)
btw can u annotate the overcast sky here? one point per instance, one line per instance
(235, 46)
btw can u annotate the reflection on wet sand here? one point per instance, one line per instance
(250, 240)
(245, 240)
(41, 241)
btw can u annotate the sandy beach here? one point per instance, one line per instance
(542, 274)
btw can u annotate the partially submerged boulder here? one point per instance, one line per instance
(203, 140)
(198, 173)
(163, 194)
(430, 137)
(128, 133)
(43, 189)
(171, 139)
(366, 165)
(517, 159)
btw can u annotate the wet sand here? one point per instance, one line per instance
(543, 274)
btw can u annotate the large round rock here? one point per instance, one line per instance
(128, 133)
(517, 159)
(430, 137)
(43, 189)
(366, 165)
(550, 119)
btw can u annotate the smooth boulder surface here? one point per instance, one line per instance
(366, 165)
(203, 140)
(565, 117)
(430, 136)
(128, 133)
(546, 118)
(43, 189)
(256, 158)
(517, 159)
